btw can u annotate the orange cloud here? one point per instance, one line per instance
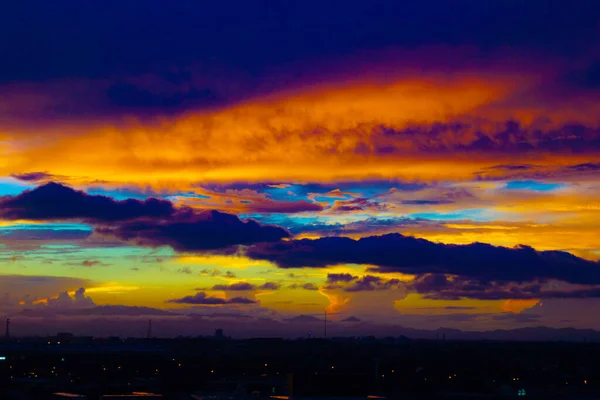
(409, 125)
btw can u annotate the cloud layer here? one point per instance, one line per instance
(398, 253)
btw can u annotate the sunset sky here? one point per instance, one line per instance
(251, 164)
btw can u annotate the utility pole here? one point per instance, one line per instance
(7, 333)
(325, 329)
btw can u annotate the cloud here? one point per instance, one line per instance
(33, 176)
(366, 283)
(441, 287)
(22, 287)
(54, 201)
(360, 204)
(372, 225)
(240, 286)
(65, 301)
(585, 167)
(196, 231)
(246, 200)
(201, 298)
(217, 272)
(151, 222)
(305, 286)
(91, 263)
(269, 286)
(245, 286)
(398, 253)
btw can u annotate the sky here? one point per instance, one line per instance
(252, 165)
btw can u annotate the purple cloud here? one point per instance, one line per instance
(366, 283)
(441, 287)
(188, 230)
(33, 176)
(245, 286)
(201, 298)
(54, 201)
(398, 253)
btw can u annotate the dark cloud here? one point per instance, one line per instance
(305, 286)
(151, 222)
(350, 283)
(217, 272)
(33, 176)
(91, 263)
(511, 136)
(201, 298)
(398, 253)
(441, 287)
(336, 278)
(426, 202)
(357, 204)
(585, 167)
(240, 286)
(371, 224)
(196, 231)
(512, 167)
(245, 286)
(54, 201)
(538, 172)
(269, 286)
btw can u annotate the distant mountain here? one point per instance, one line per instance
(540, 333)
(303, 319)
(108, 320)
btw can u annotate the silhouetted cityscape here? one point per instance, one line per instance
(67, 366)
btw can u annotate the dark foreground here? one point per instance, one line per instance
(336, 368)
